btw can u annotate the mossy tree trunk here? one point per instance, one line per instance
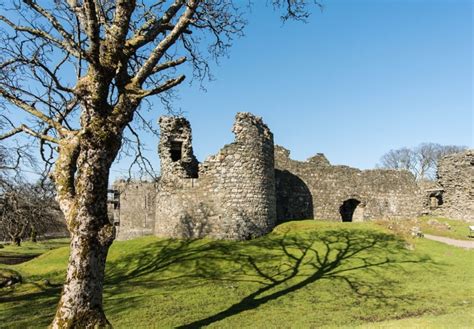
(81, 176)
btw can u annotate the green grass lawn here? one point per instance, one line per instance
(33, 248)
(458, 229)
(305, 274)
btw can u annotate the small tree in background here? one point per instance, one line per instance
(28, 210)
(421, 161)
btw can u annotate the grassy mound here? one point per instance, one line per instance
(12, 254)
(304, 274)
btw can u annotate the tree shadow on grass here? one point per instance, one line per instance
(280, 263)
(291, 262)
(24, 308)
(176, 258)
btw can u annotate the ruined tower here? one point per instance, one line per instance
(175, 149)
(244, 178)
(231, 195)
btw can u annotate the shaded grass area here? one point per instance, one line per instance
(458, 229)
(33, 248)
(12, 254)
(304, 274)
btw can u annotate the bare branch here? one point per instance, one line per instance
(33, 111)
(163, 46)
(92, 29)
(57, 26)
(42, 34)
(169, 64)
(24, 128)
(153, 27)
(117, 33)
(52, 75)
(39, 135)
(78, 10)
(11, 133)
(165, 86)
(140, 160)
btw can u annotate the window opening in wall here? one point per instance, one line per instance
(439, 197)
(347, 209)
(436, 200)
(176, 150)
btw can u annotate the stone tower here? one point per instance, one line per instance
(175, 149)
(231, 195)
(247, 178)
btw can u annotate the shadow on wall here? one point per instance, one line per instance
(195, 223)
(294, 199)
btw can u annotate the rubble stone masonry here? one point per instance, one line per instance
(250, 185)
(231, 195)
(456, 178)
(317, 189)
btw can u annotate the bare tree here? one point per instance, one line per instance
(14, 215)
(79, 70)
(421, 161)
(14, 159)
(403, 158)
(28, 210)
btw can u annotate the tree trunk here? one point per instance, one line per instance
(92, 234)
(33, 235)
(17, 235)
(81, 300)
(16, 240)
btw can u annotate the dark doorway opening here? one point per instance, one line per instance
(347, 209)
(294, 199)
(176, 151)
(436, 200)
(439, 197)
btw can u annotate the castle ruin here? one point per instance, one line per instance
(453, 194)
(231, 195)
(317, 189)
(250, 185)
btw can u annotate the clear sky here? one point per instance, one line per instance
(360, 78)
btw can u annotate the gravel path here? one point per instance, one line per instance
(453, 242)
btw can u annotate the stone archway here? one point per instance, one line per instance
(436, 200)
(350, 211)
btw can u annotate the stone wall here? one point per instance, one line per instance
(232, 194)
(316, 189)
(135, 214)
(249, 185)
(432, 196)
(456, 178)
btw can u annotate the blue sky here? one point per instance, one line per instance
(360, 78)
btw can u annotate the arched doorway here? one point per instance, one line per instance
(347, 210)
(436, 200)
